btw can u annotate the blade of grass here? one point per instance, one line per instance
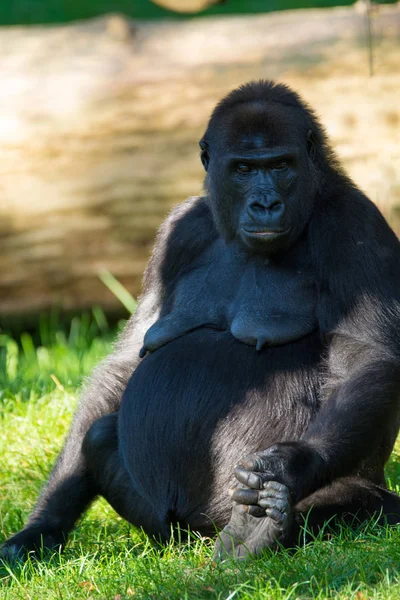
(118, 290)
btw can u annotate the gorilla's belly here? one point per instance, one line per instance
(198, 404)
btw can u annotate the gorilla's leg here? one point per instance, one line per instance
(348, 500)
(46, 530)
(112, 481)
(105, 475)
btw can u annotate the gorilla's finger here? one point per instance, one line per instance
(252, 480)
(276, 515)
(280, 504)
(245, 496)
(276, 486)
(252, 462)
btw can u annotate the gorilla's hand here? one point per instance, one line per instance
(270, 484)
(294, 464)
(258, 526)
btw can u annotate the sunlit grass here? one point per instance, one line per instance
(40, 377)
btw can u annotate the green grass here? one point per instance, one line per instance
(40, 377)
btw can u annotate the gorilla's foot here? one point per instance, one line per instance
(34, 538)
(254, 527)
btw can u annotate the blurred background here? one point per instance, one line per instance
(102, 105)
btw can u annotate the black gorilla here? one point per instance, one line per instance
(271, 356)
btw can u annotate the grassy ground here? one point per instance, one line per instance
(106, 558)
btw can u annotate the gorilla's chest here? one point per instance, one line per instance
(272, 307)
(261, 303)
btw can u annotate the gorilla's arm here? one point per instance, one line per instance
(69, 489)
(359, 415)
(358, 259)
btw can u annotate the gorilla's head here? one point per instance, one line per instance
(265, 154)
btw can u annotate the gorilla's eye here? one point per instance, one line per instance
(280, 166)
(242, 168)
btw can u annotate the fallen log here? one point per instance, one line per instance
(99, 123)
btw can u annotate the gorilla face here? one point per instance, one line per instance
(261, 181)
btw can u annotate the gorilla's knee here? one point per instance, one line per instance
(100, 438)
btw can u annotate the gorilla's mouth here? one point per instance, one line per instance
(265, 233)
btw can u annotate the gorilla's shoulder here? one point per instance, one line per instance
(190, 218)
(189, 227)
(185, 233)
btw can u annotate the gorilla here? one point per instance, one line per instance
(260, 375)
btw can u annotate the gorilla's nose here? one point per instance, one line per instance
(266, 211)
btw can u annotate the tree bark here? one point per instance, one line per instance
(99, 124)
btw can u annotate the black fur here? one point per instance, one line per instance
(271, 362)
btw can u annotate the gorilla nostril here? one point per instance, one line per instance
(257, 206)
(276, 206)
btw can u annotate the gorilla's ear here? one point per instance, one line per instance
(311, 142)
(204, 155)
